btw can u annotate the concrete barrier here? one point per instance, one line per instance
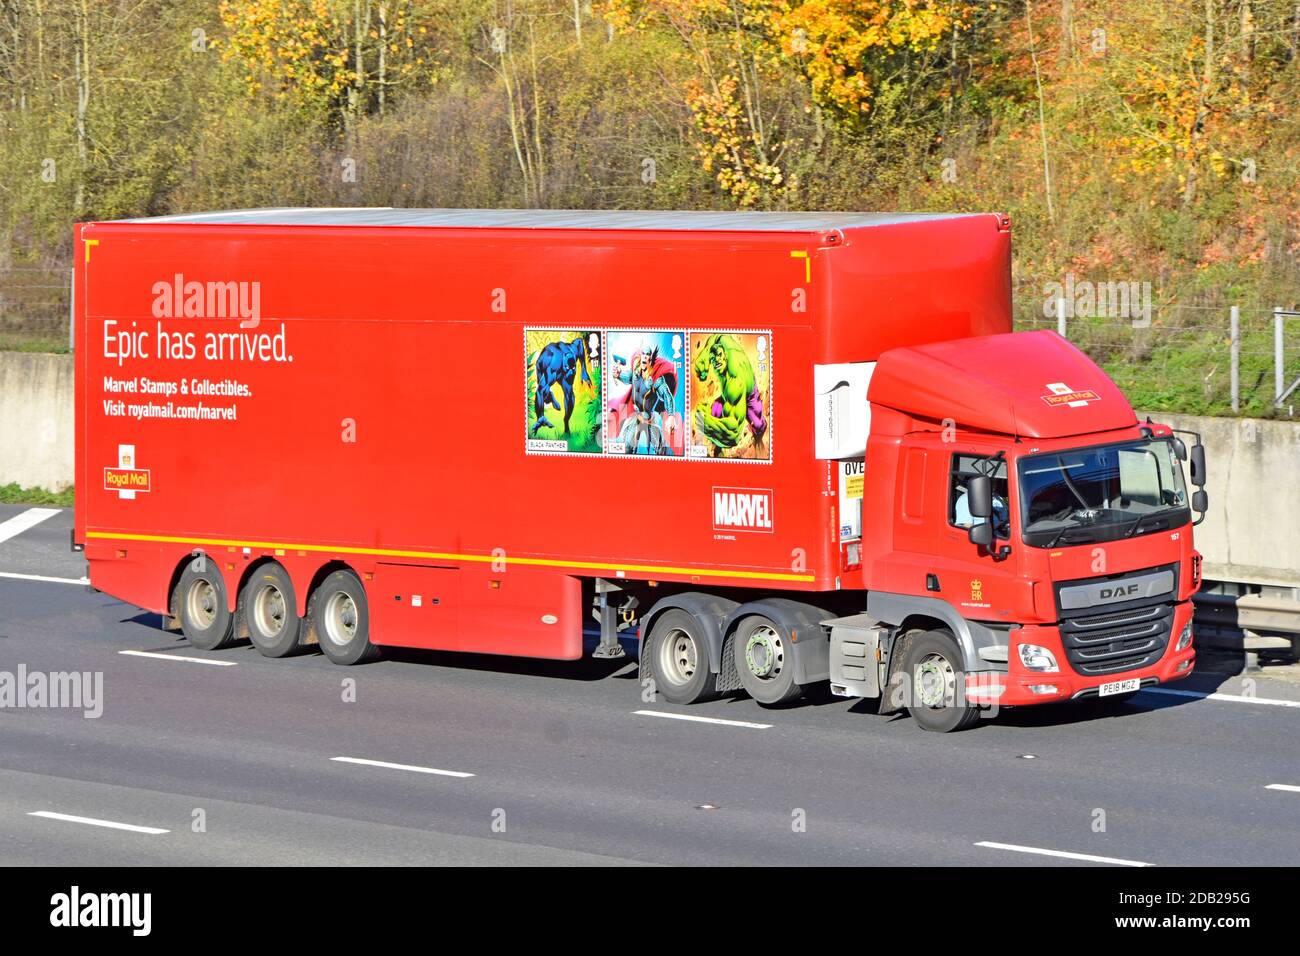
(1252, 530)
(36, 422)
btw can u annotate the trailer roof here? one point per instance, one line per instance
(551, 219)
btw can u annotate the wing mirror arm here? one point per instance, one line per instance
(1196, 474)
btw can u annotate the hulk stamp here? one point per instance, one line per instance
(731, 395)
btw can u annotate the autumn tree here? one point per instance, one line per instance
(333, 55)
(746, 52)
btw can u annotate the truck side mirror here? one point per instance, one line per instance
(1198, 465)
(1180, 449)
(979, 496)
(979, 501)
(1200, 501)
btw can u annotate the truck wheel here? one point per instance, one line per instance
(202, 606)
(341, 619)
(764, 661)
(268, 610)
(936, 700)
(679, 658)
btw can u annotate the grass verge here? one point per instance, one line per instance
(15, 494)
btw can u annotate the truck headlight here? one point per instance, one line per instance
(1037, 658)
(1185, 638)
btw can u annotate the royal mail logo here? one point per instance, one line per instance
(126, 479)
(742, 509)
(1062, 394)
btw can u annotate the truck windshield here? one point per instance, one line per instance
(1101, 494)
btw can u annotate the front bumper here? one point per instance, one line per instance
(1019, 687)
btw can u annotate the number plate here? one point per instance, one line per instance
(1119, 687)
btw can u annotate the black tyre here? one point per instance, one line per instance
(203, 605)
(765, 660)
(340, 617)
(936, 691)
(268, 609)
(678, 658)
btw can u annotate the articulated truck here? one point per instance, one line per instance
(775, 452)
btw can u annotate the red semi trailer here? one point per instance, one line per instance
(780, 449)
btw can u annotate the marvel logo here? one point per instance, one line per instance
(742, 509)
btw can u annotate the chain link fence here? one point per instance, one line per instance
(35, 303)
(1194, 359)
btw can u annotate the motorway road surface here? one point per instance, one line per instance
(563, 763)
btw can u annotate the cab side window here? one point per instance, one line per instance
(964, 467)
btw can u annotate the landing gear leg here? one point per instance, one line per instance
(609, 648)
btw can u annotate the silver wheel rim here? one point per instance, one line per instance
(935, 681)
(201, 603)
(270, 611)
(678, 656)
(341, 618)
(764, 653)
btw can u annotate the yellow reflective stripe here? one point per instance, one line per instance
(450, 556)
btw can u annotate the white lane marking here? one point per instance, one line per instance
(1062, 854)
(177, 657)
(1290, 788)
(91, 821)
(21, 522)
(42, 577)
(702, 720)
(1236, 698)
(401, 766)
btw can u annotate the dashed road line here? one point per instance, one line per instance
(1235, 698)
(1087, 857)
(702, 720)
(178, 657)
(22, 522)
(42, 577)
(1289, 788)
(401, 766)
(92, 821)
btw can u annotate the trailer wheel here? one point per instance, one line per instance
(936, 689)
(764, 661)
(340, 617)
(203, 607)
(268, 609)
(679, 658)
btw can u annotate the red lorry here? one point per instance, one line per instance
(779, 449)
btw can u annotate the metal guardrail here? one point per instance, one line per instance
(1257, 624)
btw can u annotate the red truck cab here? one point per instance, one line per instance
(1079, 582)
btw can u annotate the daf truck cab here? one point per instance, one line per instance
(1025, 537)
